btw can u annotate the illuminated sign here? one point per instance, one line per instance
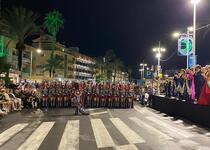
(185, 45)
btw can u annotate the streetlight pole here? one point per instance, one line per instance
(188, 37)
(39, 51)
(195, 2)
(142, 70)
(194, 34)
(158, 52)
(158, 70)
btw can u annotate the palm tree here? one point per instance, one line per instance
(53, 21)
(109, 57)
(129, 69)
(117, 65)
(19, 23)
(53, 63)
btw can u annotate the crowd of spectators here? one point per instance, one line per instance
(190, 85)
(14, 97)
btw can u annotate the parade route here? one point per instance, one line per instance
(125, 129)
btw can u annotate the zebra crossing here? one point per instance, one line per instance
(70, 137)
(102, 134)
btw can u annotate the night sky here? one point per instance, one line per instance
(130, 27)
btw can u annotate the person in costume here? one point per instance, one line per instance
(78, 102)
(204, 98)
(199, 81)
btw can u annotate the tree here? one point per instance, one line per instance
(53, 63)
(109, 59)
(53, 21)
(100, 69)
(4, 68)
(19, 23)
(129, 69)
(117, 65)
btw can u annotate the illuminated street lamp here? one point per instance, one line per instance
(39, 51)
(143, 65)
(176, 34)
(158, 50)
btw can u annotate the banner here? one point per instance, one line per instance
(190, 61)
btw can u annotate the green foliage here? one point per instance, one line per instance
(53, 21)
(111, 65)
(19, 23)
(4, 68)
(101, 78)
(53, 63)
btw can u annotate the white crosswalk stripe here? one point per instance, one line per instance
(170, 128)
(150, 128)
(9, 133)
(102, 136)
(37, 137)
(70, 138)
(128, 133)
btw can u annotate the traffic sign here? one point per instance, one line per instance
(148, 74)
(185, 45)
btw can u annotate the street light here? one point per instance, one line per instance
(194, 2)
(143, 65)
(39, 51)
(190, 29)
(158, 50)
(176, 34)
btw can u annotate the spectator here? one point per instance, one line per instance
(199, 81)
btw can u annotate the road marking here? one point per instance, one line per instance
(149, 128)
(191, 127)
(37, 137)
(137, 108)
(207, 134)
(99, 113)
(110, 114)
(91, 109)
(145, 110)
(7, 134)
(178, 121)
(102, 136)
(70, 138)
(129, 134)
(126, 147)
(170, 128)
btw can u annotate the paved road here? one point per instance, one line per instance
(105, 129)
